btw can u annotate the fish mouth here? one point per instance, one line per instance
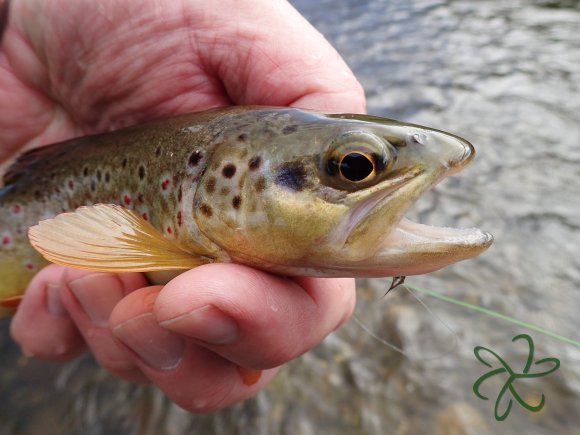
(412, 248)
(407, 247)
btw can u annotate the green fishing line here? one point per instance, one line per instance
(494, 314)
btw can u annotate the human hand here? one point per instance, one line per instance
(72, 68)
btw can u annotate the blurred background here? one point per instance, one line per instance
(506, 76)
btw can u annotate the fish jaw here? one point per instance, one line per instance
(413, 248)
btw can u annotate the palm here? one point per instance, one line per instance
(72, 68)
(65, 82)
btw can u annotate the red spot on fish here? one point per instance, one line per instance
(5, 240)
(29, 266)
(145, 216)
(16, 209)
(127, 200)
(179, 218)
(71, 184)
(169, 230)
(165, 184)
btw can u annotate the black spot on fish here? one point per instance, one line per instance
(236, 202)
(210, 185)
(141, 172)
(93, 185)
(179, 194)
(140, 197)
(85, 171)
(243, 137)
(157, 151)
(99, 175)
(289, 129)
(206, 210)
(124, 163)
(260, 184)
(107, 177)
(255, 163)
(38, 195)
(229, 170)
(194, 158)
(292, 176)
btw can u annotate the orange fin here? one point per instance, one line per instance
(109, 238)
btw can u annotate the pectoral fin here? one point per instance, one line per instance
(109, 238)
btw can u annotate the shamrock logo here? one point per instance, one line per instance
(513, 376)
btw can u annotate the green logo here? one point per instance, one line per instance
(513, 376)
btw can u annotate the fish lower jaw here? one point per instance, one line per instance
(413, 248)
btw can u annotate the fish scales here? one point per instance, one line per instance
(251, 185)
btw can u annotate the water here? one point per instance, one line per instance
(504, 74)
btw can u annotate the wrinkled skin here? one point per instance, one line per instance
(72, 68)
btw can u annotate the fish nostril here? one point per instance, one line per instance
(419, 138)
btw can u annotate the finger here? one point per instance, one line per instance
(258, 65)
(90, 298)
(252, 318)
(42, 326)
(194, 377)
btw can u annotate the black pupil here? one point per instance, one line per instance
(356, 167)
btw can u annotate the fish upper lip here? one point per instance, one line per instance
(463, 160)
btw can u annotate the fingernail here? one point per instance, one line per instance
(156, 346)
(53, 302)
(207, 323)
(97, 294)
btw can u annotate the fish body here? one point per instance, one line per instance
(284, 190)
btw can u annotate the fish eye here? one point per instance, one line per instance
(357, 159)
(357, 166)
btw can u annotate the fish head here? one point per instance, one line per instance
(326, 195)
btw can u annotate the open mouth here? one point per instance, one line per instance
(404, 247)
(412, 248)
(412, 236)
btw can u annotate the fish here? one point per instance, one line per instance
(284, 190)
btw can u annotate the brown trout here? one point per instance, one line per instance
(284, 190)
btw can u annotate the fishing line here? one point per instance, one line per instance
(376, 337)
(398, 281)
(432, 313)
(495, 314)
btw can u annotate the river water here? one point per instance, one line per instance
(505, 74)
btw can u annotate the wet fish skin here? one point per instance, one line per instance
(247, 184)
